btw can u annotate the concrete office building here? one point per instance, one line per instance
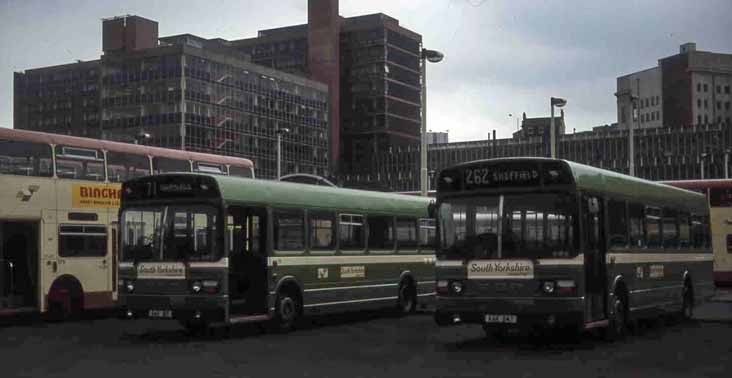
(184, 91)
(689, 88)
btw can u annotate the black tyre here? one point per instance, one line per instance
(407, 300)
(287, 312)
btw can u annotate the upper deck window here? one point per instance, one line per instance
(79, 163)
(239, 171)
(164, 165)
(209, 168)
(25, 158)
(123, 166)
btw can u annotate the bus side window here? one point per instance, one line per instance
(351, 233)
(635, 216)
(653, 227)
(163, 165)
(406, 231)
(618, 224)
(238, 171)
(729, 243)
(697, 231)
(322, 232)
(289, 232)
(670, 229)
(427, 232)
(684, 231)
(123, 166)
(25, 158)
(381, 233)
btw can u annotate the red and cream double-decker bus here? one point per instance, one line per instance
(59, 197)
(719, 193)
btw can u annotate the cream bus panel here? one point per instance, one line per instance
(24, 197)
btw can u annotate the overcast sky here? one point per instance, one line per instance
(501, 57)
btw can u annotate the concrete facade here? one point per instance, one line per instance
(689, 88)
(187, 93)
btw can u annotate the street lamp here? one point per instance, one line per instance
(280, 131)
(510, 115)
(558, 102)
(702, 156)
(431, 56)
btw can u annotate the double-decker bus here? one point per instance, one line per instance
(59, 197)
(719, 194)
(216, 250)
(533, 242)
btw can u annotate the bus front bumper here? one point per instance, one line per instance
(503, 313)
(185, 308)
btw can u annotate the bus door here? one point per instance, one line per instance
(246, 245)
(595, 249)
(18, 264)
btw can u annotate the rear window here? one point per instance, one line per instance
(82, 240)
(25, 158)
(124, 166)
(209, 167)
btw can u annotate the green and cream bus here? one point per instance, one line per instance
(208, 250)
(533, 242)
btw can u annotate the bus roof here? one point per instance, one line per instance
(39, 137)
(700, 184)
(295, 195)
(618, 185)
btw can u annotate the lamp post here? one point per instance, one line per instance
(558, 102)
(280, 131)
(631, 137)
(701, 163)
(431, 56)
(510, 115)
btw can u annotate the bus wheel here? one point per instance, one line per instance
(287, 311)
(687, 303)
(619, 320)
(407, 302)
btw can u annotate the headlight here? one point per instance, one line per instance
(130, 286)
(211, 286)
(457, 287)
(196, 287)
(548, 287)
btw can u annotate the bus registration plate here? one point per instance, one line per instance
(160, 314)
(491, 318)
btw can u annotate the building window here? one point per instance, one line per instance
(726, 89)
(719, 105)
(726, 105)
(698, 120)
(706, 104)
(706, 118)
(719, 89)
(706, 88)
(698, 87)
(698, 103)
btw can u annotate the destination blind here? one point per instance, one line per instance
(500, 175)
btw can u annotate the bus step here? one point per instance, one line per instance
(248, 319)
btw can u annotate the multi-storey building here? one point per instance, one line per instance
(185, 92)
(661, 154)
(60, 99)
(689, 88)
(372, 67)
